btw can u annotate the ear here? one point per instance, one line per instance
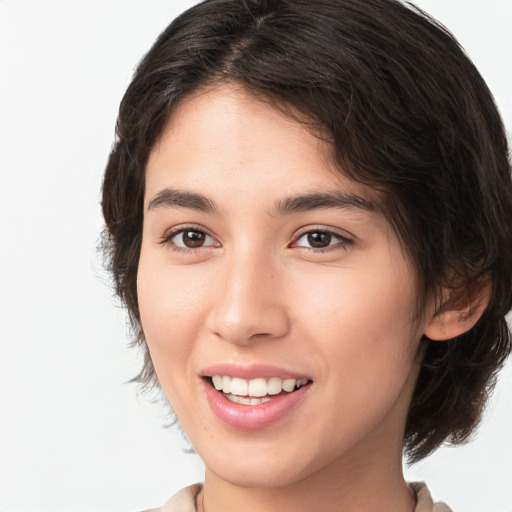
(459, 311)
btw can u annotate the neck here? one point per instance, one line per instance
(374, 485)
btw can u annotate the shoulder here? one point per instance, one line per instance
(182, 501)
(425, 502)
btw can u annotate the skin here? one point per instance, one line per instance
(257, 292)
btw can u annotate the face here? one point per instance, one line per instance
(269, 276)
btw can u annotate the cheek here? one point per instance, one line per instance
(362, 321)
(357, 301)
(170, 304)
(365, 344)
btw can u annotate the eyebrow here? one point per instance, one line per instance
(321, 200)
(171, 197)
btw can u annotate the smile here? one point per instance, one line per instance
(254, 391)
(254, 403)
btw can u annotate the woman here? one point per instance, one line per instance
(308, 208)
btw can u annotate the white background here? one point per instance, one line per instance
(73, 435)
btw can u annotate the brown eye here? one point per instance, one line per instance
(192, 239)
(319, 239)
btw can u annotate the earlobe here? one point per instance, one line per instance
(459, 311)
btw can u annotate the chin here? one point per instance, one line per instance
(257, 467)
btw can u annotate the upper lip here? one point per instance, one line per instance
(251, 371)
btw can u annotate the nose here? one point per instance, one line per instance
(250, 302)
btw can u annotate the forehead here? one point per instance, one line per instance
(225, 138)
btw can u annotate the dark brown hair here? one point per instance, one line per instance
(406, 113)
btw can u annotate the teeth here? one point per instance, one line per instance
(257, 387)
(226, 384)
(236, 388)
(247, 401)
(217, 382)
(289, 385)
(275, 386)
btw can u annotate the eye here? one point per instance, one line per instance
(321, 239)
(189, 238)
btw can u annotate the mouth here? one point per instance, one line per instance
(257, 402)
(255, 391)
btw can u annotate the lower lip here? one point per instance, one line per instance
(253, 417)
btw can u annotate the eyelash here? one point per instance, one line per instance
(342, 241)
(167, 239)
